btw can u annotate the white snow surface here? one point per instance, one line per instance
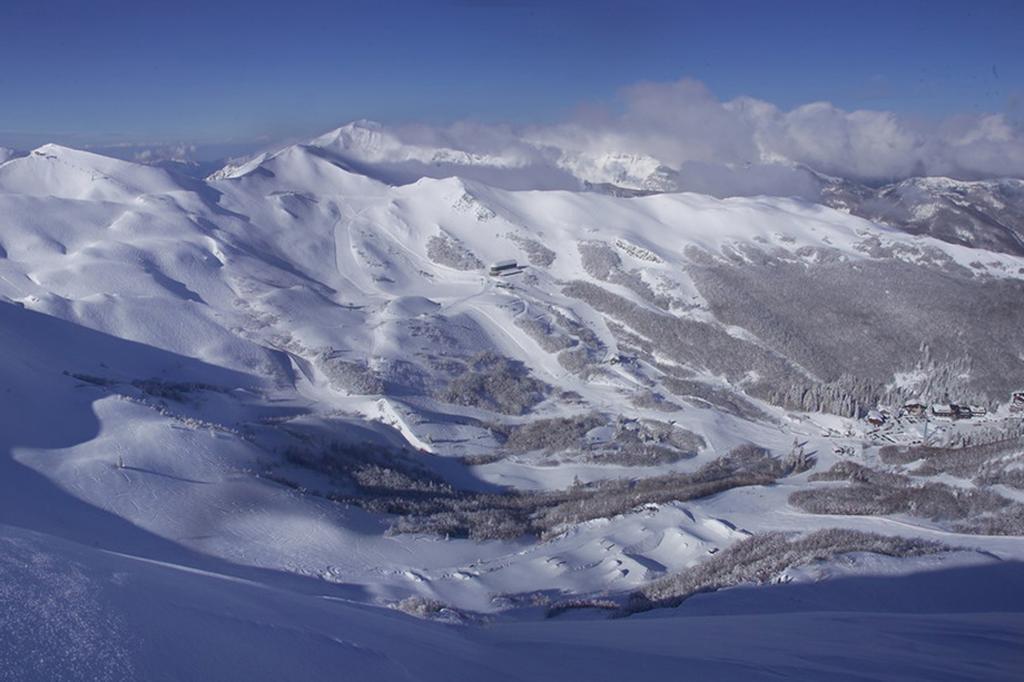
(149, 521)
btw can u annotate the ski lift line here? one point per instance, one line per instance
(508, 334)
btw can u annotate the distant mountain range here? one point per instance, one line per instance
(986, 214)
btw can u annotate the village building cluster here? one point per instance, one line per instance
(918, 409)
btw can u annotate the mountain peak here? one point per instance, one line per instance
(59, 171)
(361, 135)
(51, 149)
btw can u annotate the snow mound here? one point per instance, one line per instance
(412, 306)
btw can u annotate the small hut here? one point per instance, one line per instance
(915, 408)
(962, 412)
(504, 267)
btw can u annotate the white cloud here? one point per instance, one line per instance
(679, 135)
(175, 152)
(683, 122)
(863, 144)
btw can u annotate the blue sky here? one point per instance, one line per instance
(223, 70)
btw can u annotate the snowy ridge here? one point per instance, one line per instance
(53, 170)
(984, 214)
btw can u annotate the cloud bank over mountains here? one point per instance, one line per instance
(684, 122)
(665, 136)
(746, 145)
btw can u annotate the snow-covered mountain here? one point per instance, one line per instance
(301, 377)
(985, 214)
(519, 163)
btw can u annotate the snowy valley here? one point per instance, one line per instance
(463, 407)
